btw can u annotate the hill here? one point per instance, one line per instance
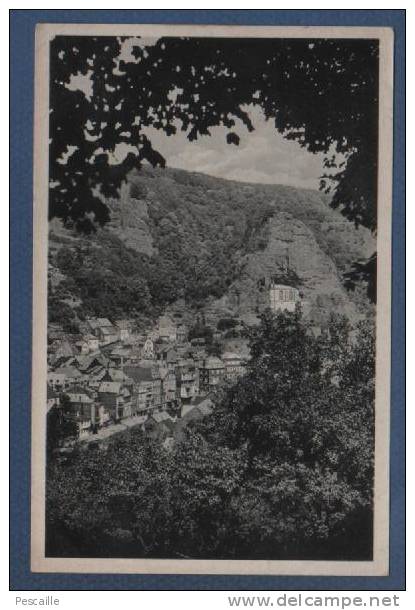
(179, 236)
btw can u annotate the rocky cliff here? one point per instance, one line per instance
(319, 242)
(179, 237)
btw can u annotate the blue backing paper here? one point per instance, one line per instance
(22, 29)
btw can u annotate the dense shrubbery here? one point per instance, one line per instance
(283, 468)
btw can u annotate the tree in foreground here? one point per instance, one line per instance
(322, 93)
(283, 468)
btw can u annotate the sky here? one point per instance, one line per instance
(263, 156)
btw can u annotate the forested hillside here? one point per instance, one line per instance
(175, 234)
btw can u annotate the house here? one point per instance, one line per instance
(92, 342)
(112, 374)
(107, 334)
(148, 349)
(52, 398)
(120, 355)
(82, 347)
(88, 363)
(116, 398)
(79, 396)
(187, 381)
(83, 409)
(200, 407)
(234, 365)
(125, 328)
(159, 425)
(56, 381)
(158, 396)
(88, 343)
(96, 376)
(283, 297)
(168, 357)
(182, 333)
(167, 329)
(64, 350)
(168, 379)
(211, 373)
(96, 323)
(142, 388)
(102, 417)
(70, 374)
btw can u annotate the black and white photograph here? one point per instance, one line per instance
(212, 303)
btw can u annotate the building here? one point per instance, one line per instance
(125, 328)
(120, 355)
(167, 329)
(168, 379)
(187, 381)
(116, 399)
(158, 395)
(211, 373)
(182, 333)
(63, 377)
(199, 407)
(95, 324)
(148, 349)
(234, 365)
(52, 398)
(92, 342)
(63, 351)
(160, 425)
(168, 358)
(83, 409)
(107, 335)
(142, 389)
(283, 297)
(56, 381)
(89, 363)
(82, 346)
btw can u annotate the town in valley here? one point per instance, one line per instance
(110, 377)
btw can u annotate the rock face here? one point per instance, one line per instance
(221, 237)
(319, 242)
(130, 221)
(319, 280)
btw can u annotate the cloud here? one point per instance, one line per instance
(263, 155)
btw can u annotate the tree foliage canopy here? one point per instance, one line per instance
(322, 93)
(282, 469)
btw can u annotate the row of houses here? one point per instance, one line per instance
(111, 373)
(106, 396)
(112, 405)
(96, 332)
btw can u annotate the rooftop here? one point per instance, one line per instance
(68, 371)
(213, 363)
(110, 387)
(161, 417)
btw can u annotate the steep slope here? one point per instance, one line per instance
(213, 199)
(259, 225)
(319, 281)
(177, 235)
